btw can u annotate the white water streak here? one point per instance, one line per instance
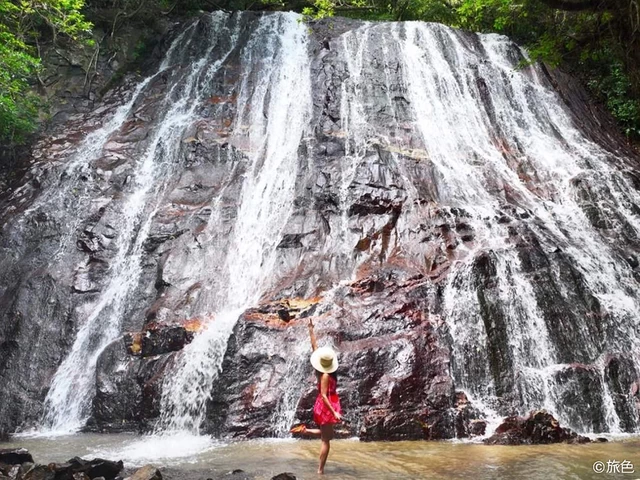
(282, 89)
(68, 399)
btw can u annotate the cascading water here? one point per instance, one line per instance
(298, 166)
(68, 400)
(276, 87)
(443, 91)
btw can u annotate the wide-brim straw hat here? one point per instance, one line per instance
(325, 360)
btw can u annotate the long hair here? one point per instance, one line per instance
(333, 375)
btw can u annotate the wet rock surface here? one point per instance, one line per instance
(284, 476)
(392, 353)
(148, 472)
(21, 466)
(537, 428)
(15, 456)
(436, 287)
(157, 339)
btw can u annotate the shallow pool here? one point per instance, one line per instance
(194, 457)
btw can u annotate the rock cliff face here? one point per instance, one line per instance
(462, 229)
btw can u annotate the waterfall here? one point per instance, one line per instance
(407, 146)
(460, 137)
(477, 116)
(67, 405)
(277, 82)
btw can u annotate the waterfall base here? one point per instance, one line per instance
(348, 460)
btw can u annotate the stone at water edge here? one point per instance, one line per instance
(236, 474)
(15, 456)
(284, 476)
(148, 472)
(11, 471)
(539, 427)
(76, 469)
(98, 467)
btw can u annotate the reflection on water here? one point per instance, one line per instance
(349, 459)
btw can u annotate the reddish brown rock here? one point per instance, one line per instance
(148, 472)
(393, 380)
(539, 427)
(157, 339)
(281, 312)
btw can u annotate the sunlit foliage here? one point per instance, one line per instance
(22, 24)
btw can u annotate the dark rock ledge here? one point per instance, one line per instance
(18, 464)
(539, 427)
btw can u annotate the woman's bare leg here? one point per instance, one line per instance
(326, 434)
(313, 432)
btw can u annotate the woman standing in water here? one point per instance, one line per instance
(326, 410)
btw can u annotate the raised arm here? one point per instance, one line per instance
(314, 343)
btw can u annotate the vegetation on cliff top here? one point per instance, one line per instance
(597, 40)
(22, 24)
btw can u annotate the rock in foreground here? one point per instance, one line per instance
(18, 464)
(148, 472)
(539, 427)
(285, 476)
(15, 456)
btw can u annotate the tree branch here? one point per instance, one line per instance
(126, 15)
(572, 5)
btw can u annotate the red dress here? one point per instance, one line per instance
(321, 413)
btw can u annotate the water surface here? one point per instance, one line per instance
(197, 457)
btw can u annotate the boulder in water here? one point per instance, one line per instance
(148, 472)
(23, 468)
(12, 472)
(284, 476)
(539, 427)
(98, 467)
(15, 456)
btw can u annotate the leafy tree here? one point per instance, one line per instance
(22, 24)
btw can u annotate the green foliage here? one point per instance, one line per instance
(440, 11)
(141, 49)
(21, 25)
(18, 107)
(614, 87)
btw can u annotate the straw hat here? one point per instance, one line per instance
(325, 360)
